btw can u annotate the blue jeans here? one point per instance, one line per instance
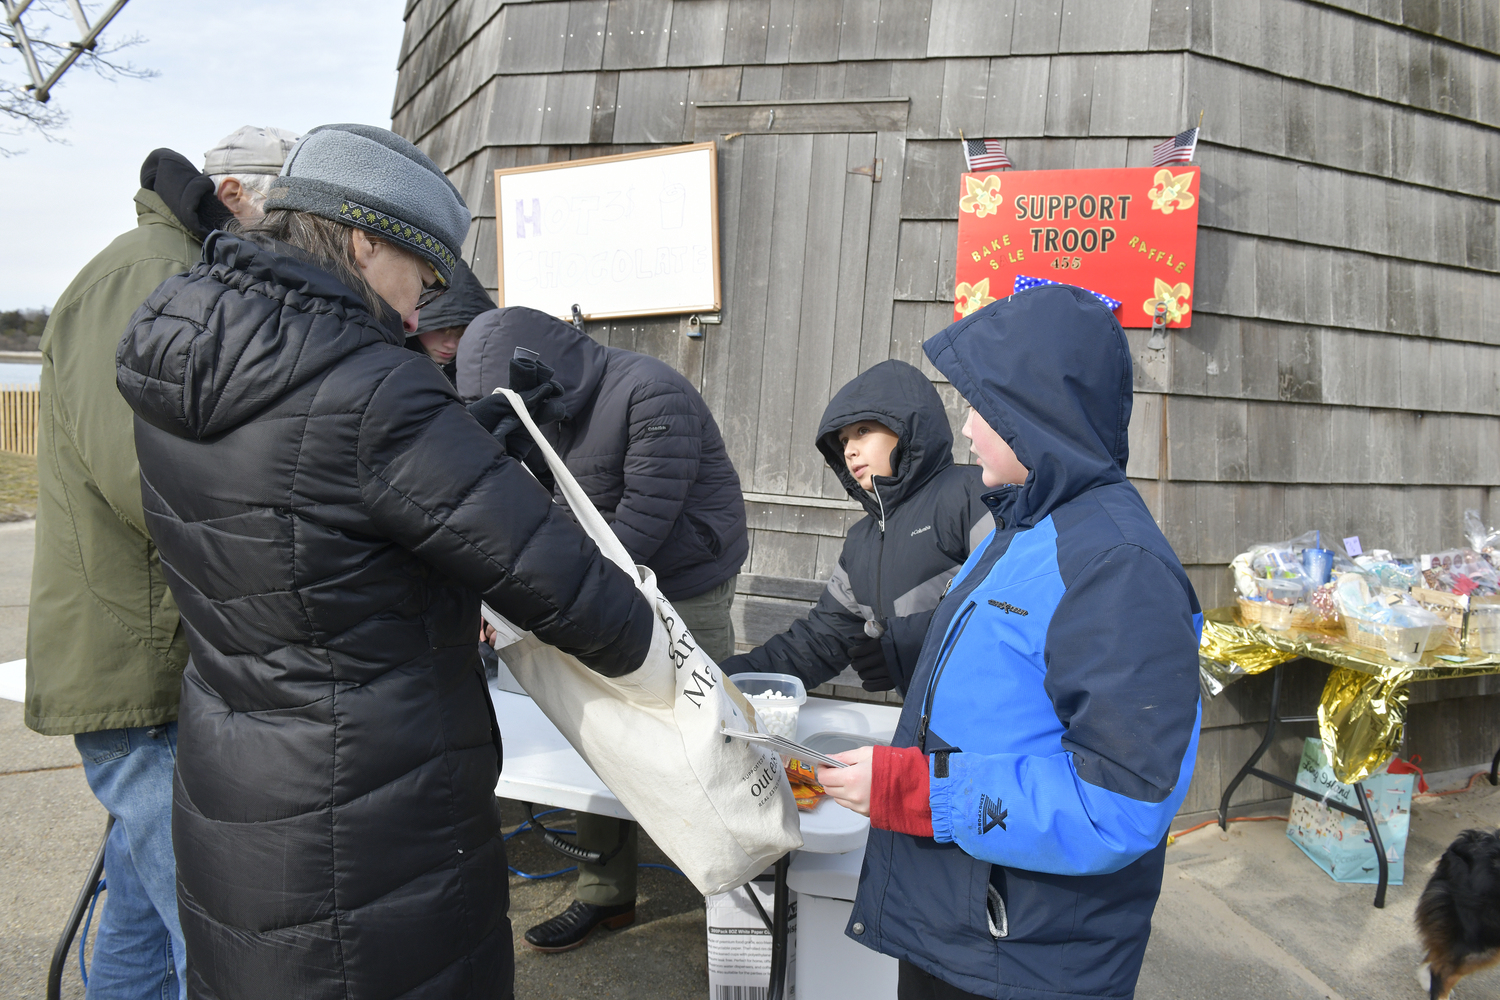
(138, 951)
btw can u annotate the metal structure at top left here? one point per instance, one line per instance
(41, 85)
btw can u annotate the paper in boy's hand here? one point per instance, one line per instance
(784, 746)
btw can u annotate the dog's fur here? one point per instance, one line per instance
(1458, 916)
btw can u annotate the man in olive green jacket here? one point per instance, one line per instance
(104, 651)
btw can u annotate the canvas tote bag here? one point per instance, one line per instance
(721, 809)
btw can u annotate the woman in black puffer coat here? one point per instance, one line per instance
(329, 516)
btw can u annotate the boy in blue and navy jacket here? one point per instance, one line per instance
(1051, 722)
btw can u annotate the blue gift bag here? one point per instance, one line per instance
(1339, 843)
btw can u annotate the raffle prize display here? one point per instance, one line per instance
(1381, 621)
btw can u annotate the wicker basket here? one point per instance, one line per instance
(1277, 616)
(1414, 641)
(1454, 610)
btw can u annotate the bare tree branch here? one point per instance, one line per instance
(45, 21)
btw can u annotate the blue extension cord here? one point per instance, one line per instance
(571, 868)
(84, 937)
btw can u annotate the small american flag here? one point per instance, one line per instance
(1178, 149)
(1023, 282)
(985, 154)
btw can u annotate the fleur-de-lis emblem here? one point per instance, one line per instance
(968, 298)
(1176, 298)
(1171, 192)
(982, 196)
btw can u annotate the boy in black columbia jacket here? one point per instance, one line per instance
(924, 520)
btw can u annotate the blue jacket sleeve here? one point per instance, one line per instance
(1122, 660)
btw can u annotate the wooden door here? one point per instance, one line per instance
(795, 248)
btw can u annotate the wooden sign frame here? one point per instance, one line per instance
(710, 306)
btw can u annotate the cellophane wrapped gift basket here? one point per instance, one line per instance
(1444, 601)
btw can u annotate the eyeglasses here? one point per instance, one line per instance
(431, 293)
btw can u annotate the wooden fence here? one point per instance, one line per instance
(19, 406)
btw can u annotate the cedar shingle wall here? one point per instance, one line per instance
(1343, 367)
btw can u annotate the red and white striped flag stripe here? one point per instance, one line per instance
(1178, 149)
(985, 154)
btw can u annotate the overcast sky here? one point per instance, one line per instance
(291, 63)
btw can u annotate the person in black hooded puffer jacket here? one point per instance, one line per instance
(645, 448)
(924, 519)
(329, 517)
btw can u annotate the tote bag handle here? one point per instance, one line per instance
(583, 508)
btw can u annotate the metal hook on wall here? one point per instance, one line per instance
(1158, 341)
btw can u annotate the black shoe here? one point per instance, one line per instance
(571, 928)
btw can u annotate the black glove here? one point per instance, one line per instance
(496, 415)
(868, 659)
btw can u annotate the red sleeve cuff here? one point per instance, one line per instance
(899, 791)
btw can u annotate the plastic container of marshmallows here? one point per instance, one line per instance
(777, 699)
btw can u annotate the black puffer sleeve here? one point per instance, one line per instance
(440, 486)
(815, 648)
(661, 465)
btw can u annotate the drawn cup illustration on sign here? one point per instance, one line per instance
(1130, 234)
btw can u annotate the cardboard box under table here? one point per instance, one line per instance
(542, 768)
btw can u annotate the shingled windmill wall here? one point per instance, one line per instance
(1343, 367)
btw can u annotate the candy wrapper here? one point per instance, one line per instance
(805, 787)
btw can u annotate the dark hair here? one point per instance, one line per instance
(326, 242)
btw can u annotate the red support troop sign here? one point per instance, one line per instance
(1130, 234)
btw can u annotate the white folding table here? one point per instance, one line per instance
(542, 768)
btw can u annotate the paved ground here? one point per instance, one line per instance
(1248, 915)
(1243, 915)
(49, 822)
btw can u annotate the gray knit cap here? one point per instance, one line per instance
(372, 178)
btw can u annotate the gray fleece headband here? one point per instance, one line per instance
(373, 179)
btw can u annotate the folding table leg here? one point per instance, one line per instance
(1380, 861)
(779, 932)
(777, 925)
(1260, 751)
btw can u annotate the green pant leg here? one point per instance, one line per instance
(706, 615)
(613, 882)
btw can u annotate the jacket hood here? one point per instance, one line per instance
(215, 346)
(484, 354)
(458, 306)
(1049, 369)
(902, 398)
